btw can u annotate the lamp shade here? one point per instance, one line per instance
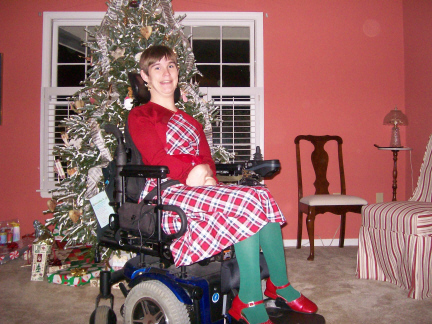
(395, 118)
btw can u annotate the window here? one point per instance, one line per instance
(228, 51)
(238, 109)
(64, 65)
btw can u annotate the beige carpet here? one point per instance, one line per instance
(329, 281)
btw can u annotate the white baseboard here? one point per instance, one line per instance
(319, 242)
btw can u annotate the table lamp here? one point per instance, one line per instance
(395, 118)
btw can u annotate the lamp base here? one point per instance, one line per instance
(395, 137)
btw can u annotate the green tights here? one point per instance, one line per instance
(247, 253)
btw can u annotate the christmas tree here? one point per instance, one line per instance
(128, 28)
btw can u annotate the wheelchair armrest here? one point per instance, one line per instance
(264, 168)
(232, 169)
(183, 220)
(145, 171)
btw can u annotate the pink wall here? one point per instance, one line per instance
(417, 16)
(331, 67)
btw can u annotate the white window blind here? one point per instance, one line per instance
(56, 108)
(240, 110)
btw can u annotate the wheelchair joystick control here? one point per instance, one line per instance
(262, 168)
(258, 156)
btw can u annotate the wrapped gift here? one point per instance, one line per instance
(41, 252)
(27, 255)
(79, 256)
(77, 275)
(55, 268)
(14, 250)
(59, 237)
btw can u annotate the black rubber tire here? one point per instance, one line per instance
(152, 300)
(104, 315)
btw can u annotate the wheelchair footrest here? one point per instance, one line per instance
(283, 315)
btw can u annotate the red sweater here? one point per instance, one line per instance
(148, 126)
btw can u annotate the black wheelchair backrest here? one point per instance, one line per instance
(134, 186)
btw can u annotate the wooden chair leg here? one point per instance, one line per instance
(299, 229)
(342, 230)
(310, 222)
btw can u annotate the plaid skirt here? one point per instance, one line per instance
(218, 217)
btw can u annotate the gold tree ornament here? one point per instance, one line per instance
(71, 171)
(118, 53)
(65, 138)
(73, 107)
(146, 31)
(79, 104)
(138, 57)
(52, 203)
(75, 215)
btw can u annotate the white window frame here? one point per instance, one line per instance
(51, 22)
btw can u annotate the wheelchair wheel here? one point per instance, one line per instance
(153, 302)
(103, 315)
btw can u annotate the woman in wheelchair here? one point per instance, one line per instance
(218, 215)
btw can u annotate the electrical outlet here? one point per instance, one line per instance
(379, 197)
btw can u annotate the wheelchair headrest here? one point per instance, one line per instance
(113, 129)
(140, 91)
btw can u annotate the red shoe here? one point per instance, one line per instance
(237, 307)
(299, 305)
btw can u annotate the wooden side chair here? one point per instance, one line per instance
(322, 201)
(395, 238)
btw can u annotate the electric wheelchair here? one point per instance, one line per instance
(156, 291)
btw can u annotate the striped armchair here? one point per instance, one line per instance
(395, 240)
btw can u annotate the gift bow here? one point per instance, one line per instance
(78, 272)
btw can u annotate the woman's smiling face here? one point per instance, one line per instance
(162, 77)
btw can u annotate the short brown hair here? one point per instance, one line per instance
(154, 54)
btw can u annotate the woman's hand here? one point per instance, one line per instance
(210, 181)
(200, 175)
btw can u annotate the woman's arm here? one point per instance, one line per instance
(200, 175)
(148, 131)
(207, 159)
(148, 127)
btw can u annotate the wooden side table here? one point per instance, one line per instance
(395, 151)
